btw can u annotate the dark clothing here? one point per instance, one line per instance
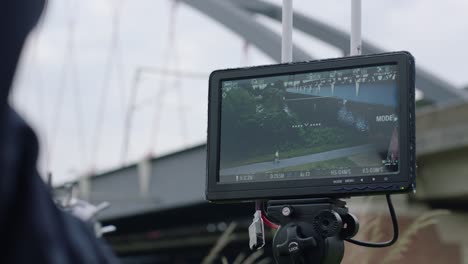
(33, 229)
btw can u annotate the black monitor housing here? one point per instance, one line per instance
(328, 128)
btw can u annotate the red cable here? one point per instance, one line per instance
(266, 221)
(269, 223)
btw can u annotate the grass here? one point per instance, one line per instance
(396, 254)
(222, 242)
(373, 230)
(215, 253)
(285, 154)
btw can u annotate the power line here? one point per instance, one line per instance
(69, 78)
(118, 60)
(74, 80)
(245, 53)
(132, 105)
(186, 74)
(177, 86)
(127, 129)
(113, 59)
(81, 137)
(171, 49)
(178, 75)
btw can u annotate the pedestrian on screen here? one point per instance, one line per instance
(277, 157)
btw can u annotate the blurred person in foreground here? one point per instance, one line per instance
(32, 228)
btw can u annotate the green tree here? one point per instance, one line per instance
(237, 124)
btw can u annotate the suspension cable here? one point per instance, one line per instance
(170, 50)
(112, 60)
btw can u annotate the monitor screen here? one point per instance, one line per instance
(323, 124)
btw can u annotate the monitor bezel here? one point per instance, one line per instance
(402, 181)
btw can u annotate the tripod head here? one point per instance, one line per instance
(312, 230)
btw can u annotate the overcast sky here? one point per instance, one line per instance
(436, 32)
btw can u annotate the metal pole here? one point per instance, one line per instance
(287, 22)
(356, 38)
(286, 56)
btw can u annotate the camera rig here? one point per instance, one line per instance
(300, 136)
(313, 230)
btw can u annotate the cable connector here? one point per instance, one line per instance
(257, 232)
